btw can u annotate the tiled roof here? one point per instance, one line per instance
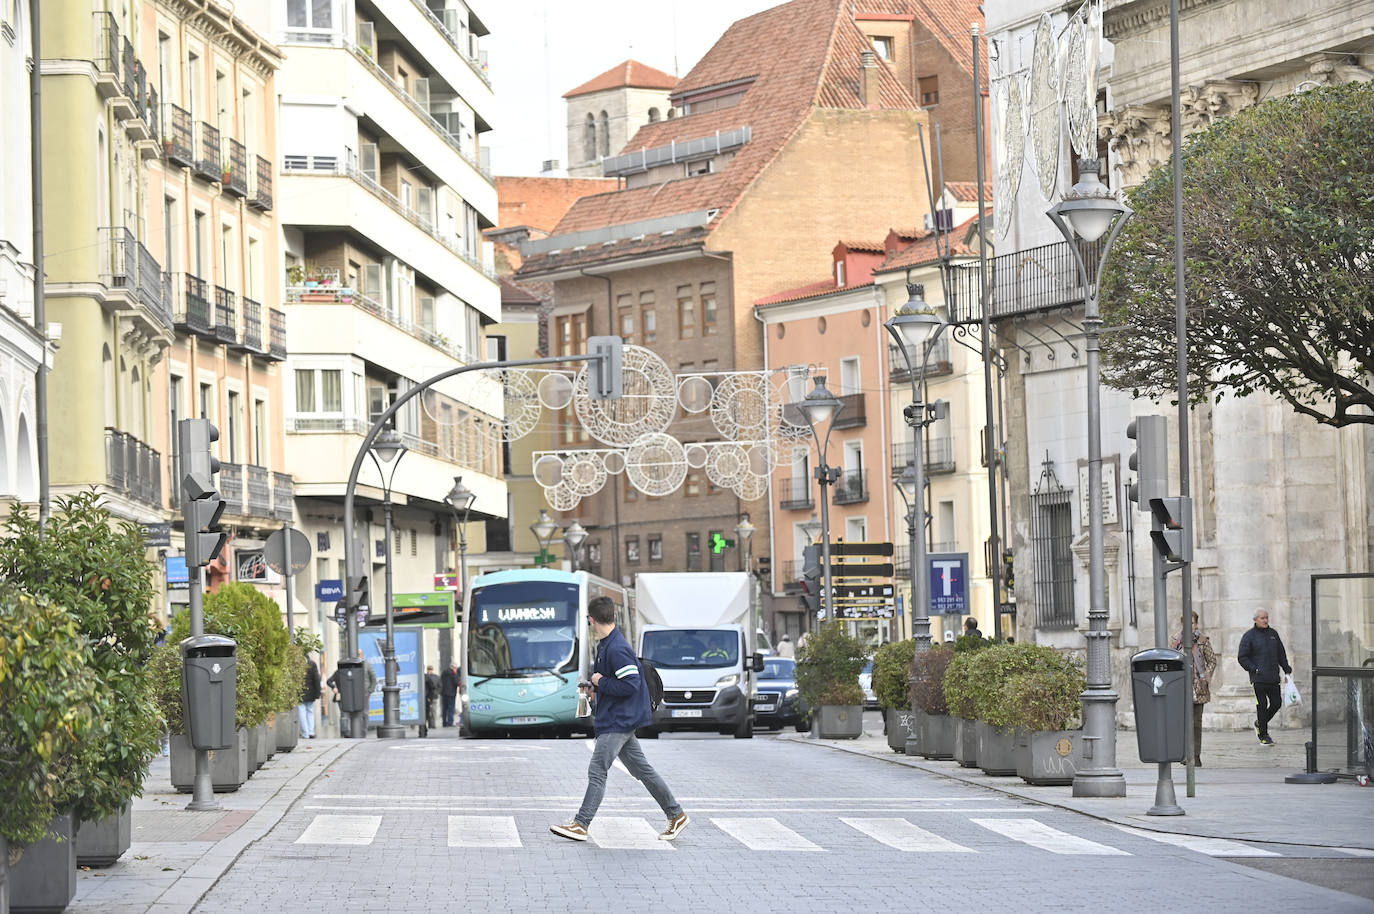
(514, 294)
(967, 191)
(947, 20)
(541, 202)
(637, 246)
(802, 55)
(629, 74)
(923, 252)
(813, 288)
(875, 246)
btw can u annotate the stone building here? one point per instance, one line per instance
(608, 109)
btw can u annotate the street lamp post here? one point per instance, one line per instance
(543, 530)
(915, 326)
(460, 498)
(574, 536)
(744, 537)
(386, 452)
(906, 487)
(821, 406)
(1090, 210)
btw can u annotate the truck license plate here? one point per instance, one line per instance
(692, 712)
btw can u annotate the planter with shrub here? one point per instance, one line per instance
(828, 668)
(891, 670)
(933, 726)
(1045, 705)
(961, 695)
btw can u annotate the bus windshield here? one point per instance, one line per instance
(522, 628)
(684, 648)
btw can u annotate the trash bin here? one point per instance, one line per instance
(209, 677)
(1160, 689)
(352, 685)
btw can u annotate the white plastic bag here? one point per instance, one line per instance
(1291, 695)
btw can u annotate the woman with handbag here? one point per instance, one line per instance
(1204, 665)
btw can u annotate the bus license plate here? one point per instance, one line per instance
(524, 720)
(692, 712)
(763, 707)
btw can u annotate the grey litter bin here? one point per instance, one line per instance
(209, 676)
(1160, 691)
(352, 685)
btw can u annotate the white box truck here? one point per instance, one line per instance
(695, 628)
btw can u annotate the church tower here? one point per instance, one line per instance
(605, 111)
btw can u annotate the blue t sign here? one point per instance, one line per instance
(947, 573)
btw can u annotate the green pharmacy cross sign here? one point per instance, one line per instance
(543, 558)
(719, 544)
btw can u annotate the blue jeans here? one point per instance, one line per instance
(609, 747)
(306, 710)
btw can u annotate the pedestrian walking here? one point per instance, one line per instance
(310, 693)
(369, 678)
(785, 648)
(431, 696)
(620, 700)
(1204, 665)
(448, 691)
(1262, 655)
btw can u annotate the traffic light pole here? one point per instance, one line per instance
(202, 787)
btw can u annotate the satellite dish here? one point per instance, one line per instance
(1044, 107)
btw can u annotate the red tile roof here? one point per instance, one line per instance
(541, 202)
(923, 252)
(822, 287)
(967, 191)
(874, 246)
(629, 74)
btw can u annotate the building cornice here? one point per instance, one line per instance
(229, 32)
(1121, 20)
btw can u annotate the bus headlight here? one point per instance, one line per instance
(727, 681)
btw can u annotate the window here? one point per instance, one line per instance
(883, 45)
(224, 116)
(929, 89)
(627, 326)
(605, 134)
(175, 385)
(164, 65)
(694, 552)
(632, 550)
(708, 309)
(414, 543)
(839, 274)
(235, 408)
(198, 243)
(654, 116)
(169, 258)
(717, 558)
(308, 14)
(692, 486)
(571, 333)
(305, 390)
(700, 167)
(207, 401)
(473, 332)
(1051, 540)
(655, 548)
(396, 537)
(319, 390)
(367, 160)
(589, 139)
(259, 433)
(648, 321)
(427, 313)
(686, 313)
(192, 84)
(226, 259)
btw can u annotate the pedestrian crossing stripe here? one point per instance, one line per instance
(903, 836)
(765, 834)
(1038, 834)
(341, 830)
(1212, 847)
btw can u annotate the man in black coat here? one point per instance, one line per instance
(431, 695)
(1262, 655)
(448, 691)
(310, 693)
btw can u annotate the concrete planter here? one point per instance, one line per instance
(269, 729)
(996, 749)
(4, 876)
(898, 728)
(966, 742)
(840, 721)
(101, 843)
(288, 731)
(257, 747)
(1049, 758)
(228, 767)
(916, 727)
(937, 736)
(44, 879)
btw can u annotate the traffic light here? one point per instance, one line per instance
(201, 504)
(358, 595)
(1175, 515)
(605, 376)
(811, 595)
(1008, 570)
(811, 562)
(1149, 461)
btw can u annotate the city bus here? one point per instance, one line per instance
(525, 647)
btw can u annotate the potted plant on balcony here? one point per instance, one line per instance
(891, 669)
(227, 172)
(828, 668)
(933, 728)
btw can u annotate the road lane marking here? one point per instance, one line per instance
(1212, 847)
(643, 807)
(340, 830)
(765, 834)
(483, 831)
(524, 747)
(902, 835)
(626, 833)
(591, 747)
(1038, 834)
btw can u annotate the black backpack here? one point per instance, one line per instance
(653, 681)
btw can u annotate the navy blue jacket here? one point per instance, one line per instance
(622, 696)
(1262, 655)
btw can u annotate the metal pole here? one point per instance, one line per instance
(202, 787)
(1166, 801)
(40, 307)
(913, 745)
(823, 474)
(286, 575)
(920, 600)
(391, 697)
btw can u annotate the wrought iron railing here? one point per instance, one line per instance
(107, 45)
(479, 63)
(851, 488)
(283, 495)
(1023, 282)
(938, 454)
(132, 468)
(231, 487)
(851, 415)
(795, 493)
(128, 82)
(226, 322)
(252, 324)
(152, 114)
(208, 162)
(259, 491)
(119, 259)
(140, 95)
(276, 328)
(236, 162)
(150, 286)
(262, 185)
(191, 306)
(937, 361)
(178, 144)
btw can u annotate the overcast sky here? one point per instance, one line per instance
(539, 49)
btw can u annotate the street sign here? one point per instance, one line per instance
(178, 578)
(863, 611)
(329, 589)
(157, 535)
(446, 582)
(433, 609)
(856, 549)
(862, 590)
(274, 551)
(947, 573)
(861, 570)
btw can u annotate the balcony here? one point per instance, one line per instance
(449, 28)
(136, 125)
(262, 186)
(208, 164)
(346, 296)
(795, 494)
(132, 468)
(283, 496)
(252, 325)
(851, 488)
(191, 304)
(851, 415)
(226, 323)
(178, 142)
(106, 55)
(236, 166)
(128, 82)
(791, 577)
(231, 487)
(901, 558)
(259, 491)
(938, 454)
(276, 326)
(937, 361)
(129, 267)
(1037, 279)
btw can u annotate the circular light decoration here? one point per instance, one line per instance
(522, 408)
(1012, 158)
(759, 459)
(751, 487)
(744, 408)
(1080, 87)
(548, 470)
(727, 465)
(655, 464)
(1044, 107)
(788, 387)
(555, 390)
(647, 404)
(614, 461)
(561, 497)
(694, 393)
(696, 455)
(584, 473)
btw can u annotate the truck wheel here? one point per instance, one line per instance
(745, 730)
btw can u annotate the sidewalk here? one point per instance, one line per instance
(1241, 794)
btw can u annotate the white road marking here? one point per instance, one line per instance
(637, 806)
(1356, 851)
(341, 830)
(902, 835)
(458, 748)
(1212, 847)
(765, 834)
(591, 747)
(1038, 834)
(626, 834)
(483, 831)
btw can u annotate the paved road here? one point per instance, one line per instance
(777, 825)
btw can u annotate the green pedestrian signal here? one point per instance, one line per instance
(719, 544)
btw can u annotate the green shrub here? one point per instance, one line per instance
(959, 694)
(165, 668)
(1023, 685)
(94, 566)
(1048, 699)
(244, 613)
(928, 679)
(828, 667)
(891, 669)
(48, 700)
(291, 684)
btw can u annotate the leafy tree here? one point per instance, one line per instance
(1278, 234)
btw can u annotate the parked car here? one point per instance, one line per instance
(777, 702)
(866, 681)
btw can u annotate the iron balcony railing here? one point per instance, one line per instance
(226, 323)
(132, 468)
(795, 494)
(346, 296)
(178, 143)
(236, 163)
(448, 27)
(107, 49)
(937, 361)
(791, 576)
(252, 324)
(851, 488)
(283, 496)
(129, 83)
(140, 95)
(208, 164)
(150, 286)
(120, 259)
(191, 309)
(901, 558)
(276, 328)
(152, 114)
(262, 185)
(938, 454)
(852, 413)
(231, 487)
(259, 491)
(1023, 282)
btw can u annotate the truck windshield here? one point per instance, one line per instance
(684, 648)
(523, 627)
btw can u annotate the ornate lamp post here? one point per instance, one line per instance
(386, 453)
(744, 536)
(820, 407)
(460, 498)
(543, 530)
(1090, 210)
(915, 326)
(574, 536)
(905, 485)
